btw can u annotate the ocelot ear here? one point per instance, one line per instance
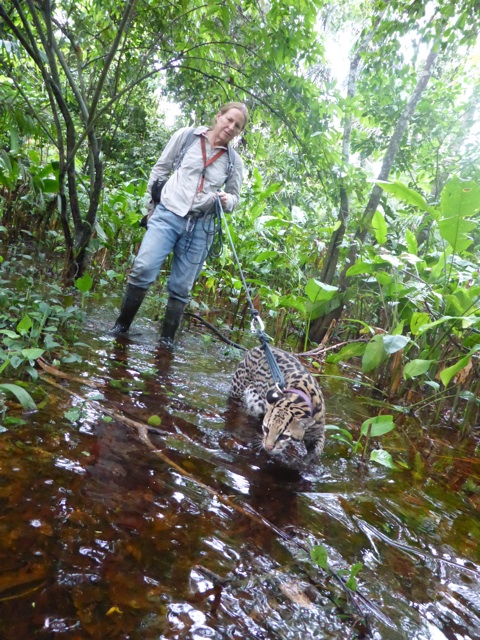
(273, 396)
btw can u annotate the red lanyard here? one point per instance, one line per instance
(207, 163)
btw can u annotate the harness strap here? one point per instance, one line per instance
(303, 395)
(207, 163)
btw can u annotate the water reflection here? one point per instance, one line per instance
(100, 538)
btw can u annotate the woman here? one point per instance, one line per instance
(194, 166)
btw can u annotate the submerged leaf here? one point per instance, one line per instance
(23, 397)
(319, 556)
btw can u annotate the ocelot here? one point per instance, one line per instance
(296, 413)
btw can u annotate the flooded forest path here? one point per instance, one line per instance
(188, 530)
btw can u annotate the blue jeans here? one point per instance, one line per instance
(189, 239)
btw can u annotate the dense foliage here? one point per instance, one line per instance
(358, 224)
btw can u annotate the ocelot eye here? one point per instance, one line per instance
(273, 396)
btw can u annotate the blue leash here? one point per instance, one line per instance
(256, 325)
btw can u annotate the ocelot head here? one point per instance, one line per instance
(284, 421)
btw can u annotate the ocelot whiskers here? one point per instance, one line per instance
(296, 413)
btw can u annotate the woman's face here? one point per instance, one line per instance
(228, 125)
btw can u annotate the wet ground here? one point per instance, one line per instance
(190, 531)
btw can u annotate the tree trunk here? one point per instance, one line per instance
(75, 113)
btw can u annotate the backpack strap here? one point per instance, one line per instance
(189, 140)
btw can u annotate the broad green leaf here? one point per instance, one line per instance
(23, 397)
(382, 457)
(24, 325)
(393, 344)
(374, 354)
(319, 555)
(418, 320)
(383, 278)
(391, 259)
(317, 290)
(398, 329)
(359, 268)
(460, 198)
(265, 256)
(430, 325)
(10, 334)
(416, 368)
(379, 425)
(380, 227)
(72, 415)
(450, 372)
(340, 430)
(455, 231)
(290, 301)
(400, 191)
(463, 301)
(84, 284)
(347, 352)
(33, 353)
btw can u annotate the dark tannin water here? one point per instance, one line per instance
(101, 536)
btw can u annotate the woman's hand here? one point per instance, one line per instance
(223, 198)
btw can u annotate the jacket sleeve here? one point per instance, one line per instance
(164, 165)
(234, 184)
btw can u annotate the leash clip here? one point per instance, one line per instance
(256, 318)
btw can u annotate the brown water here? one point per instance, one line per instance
(100, 537)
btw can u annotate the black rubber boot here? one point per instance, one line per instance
(131, 302)
(173, 315)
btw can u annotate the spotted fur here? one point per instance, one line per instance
(288, 416)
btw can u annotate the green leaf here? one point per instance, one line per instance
(317, 290)
(378, 426)
(10, 334)
(23, 397)
(393, 344)
(347, 352)
(382, 457)
(319, 555)
(450, 372)
(402, 192)
(374, 354)
(411, 241)
(84, 284)
(359, 268)
(351, 582)
(33, 353)
(417, 321)
(460, 198)
(416, 368)
(72, 415)
(380, 227)
(455, 231)
(154, 421)
(24, 325)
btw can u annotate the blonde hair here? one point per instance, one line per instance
(235, 105)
